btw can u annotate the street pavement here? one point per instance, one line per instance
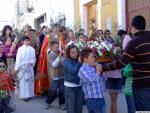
(37, 105)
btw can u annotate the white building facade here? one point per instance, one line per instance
(46, 12)
(7, 13)
(25, 13)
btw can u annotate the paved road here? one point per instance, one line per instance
(37, 105)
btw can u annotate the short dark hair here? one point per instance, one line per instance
(106, 31)
(80, 34)
(43, 27)
(71, 31)
(62, 28)
(32, 30)
(121, 32)
(5, 28)
(69, 49)
(25, 38)
(53, 42)
(81, 30)
(100, 30)
(138, 22)
(85, 53)
(50, 31)
(29, 27)
(56, 25)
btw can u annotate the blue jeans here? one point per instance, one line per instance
(142, 99)
(74, 99)
(130, 104)
(96, 105)
(57, 85)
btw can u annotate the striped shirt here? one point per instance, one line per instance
(137, 53)
(92, 85)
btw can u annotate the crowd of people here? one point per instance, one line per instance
(49, 63)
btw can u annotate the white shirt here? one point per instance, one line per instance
(25, 55)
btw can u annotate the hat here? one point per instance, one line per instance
(138, 22)
(25, 38)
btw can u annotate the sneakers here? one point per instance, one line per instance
(62, 107)
(27, 99)
(48, 106)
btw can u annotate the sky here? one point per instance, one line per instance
(7, 11)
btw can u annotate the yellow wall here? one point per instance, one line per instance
(109, 9)
(77, 15)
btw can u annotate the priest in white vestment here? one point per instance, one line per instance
(24, 67)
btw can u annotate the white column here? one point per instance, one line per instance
(121, 14)
(99, 8)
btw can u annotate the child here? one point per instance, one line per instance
(73, 89)
(128, 89)
(25, 61)
(6, 85)
(57, 76)
(91, 82)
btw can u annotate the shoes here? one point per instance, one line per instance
(62, 107)
(27, 99)
(48, 106)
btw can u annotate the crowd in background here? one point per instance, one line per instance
(49, 62)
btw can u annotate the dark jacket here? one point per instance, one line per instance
(71, 70)
(41, 38)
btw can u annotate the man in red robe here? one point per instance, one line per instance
(42, 82)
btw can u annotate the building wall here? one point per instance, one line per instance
(42, 8)
(26, 19)
(52, 9)
(109, 15)
(121, 10)
(7, 13)
(84, 13)
(23, 17)
(22, 7)
(138, 7)
(77, 16)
